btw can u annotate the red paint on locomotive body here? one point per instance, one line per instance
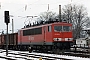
(48, 33)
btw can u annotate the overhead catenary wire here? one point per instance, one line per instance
(26, 6)
(30, 6)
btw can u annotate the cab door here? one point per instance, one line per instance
(44, 33)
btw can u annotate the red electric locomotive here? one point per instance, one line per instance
(57, 35)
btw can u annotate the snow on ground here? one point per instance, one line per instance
(18, 57)
(64, 56)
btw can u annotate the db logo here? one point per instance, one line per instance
(31, 38)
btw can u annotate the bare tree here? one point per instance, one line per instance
(46, 16)
(88, 23)
(77, 15)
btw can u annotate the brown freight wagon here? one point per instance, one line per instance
(1, 40)
(12, 40)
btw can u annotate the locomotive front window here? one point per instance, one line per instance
(57, 28)
(66, 28)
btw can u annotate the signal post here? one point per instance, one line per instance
(7, 20)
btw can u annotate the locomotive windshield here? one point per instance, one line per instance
(57, 28)
(61, 28)
(66, 28)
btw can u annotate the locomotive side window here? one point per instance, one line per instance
(66, 28)
(49, 29)
(34, 31)
(57, 28)
(38, 31)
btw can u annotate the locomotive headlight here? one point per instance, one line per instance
(70, 39)
(55, 39)
(66, 39)
(59, 39)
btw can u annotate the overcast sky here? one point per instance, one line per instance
(34, 8)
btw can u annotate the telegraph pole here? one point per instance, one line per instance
(12, 26)
(60, 13)
(7, 20)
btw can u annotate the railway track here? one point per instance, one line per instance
(34, 55)
(83, 55)
(74, 53)
(24, 55)
(12, 55)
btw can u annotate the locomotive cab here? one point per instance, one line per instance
(62, 35)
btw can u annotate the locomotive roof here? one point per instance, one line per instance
(62, 23)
